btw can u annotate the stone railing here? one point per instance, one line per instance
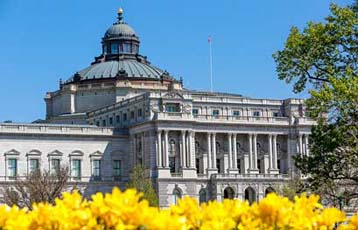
(250, 176)
(52, 129)
(224, 119)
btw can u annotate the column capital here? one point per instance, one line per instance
(230, 134)
(183, 131)
(213, 134)
(166, 131)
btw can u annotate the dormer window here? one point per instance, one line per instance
(126, 48)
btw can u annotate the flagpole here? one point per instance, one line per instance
(211, 65)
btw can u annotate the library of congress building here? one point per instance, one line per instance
(121, 111)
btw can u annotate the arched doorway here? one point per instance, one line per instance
(250, 195)
(269, 190)
(202, 196)
(229, 193)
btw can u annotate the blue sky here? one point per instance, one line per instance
(42, 41)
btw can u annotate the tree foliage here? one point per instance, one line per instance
(324, 58)
(143, 184)
(39, 186)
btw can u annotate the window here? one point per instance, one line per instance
(114, 48)
(132, 114)
(236, 113)
(238, 165)
(55, 166)
(218, 165)
(76, 169)
(103, 122)
(172, 164)
(111, 121)
(216, 113)
(118, 119)
(195, 112)
(197, 165)
(124, 116)
(275, 114)
(96, 169)
(12, 167)
(172, 108)
(116, 168)
(256, 113)
(139, 112)
(34, 165)
(97, 123)
(126, 48)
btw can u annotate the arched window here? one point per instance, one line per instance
(177, 195)
(172, 147)
(202, 196)
(269, 190)
(250, 195)
(229, 193)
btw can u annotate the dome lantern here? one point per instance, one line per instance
(120, 38)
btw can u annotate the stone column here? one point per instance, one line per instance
(159, 152)
(192, 149)
(306, 145)
(300, 149)
(235, 166)
(251, 166)
(166, 149)
(255, 151)
(270, 152)
(214, 150)
(183, 149)
(209, 150)
(73, 103)
(230, 150)
(274, 163)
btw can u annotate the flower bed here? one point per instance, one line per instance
(125, 210)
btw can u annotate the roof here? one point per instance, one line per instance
(120, 29)
(124, 67)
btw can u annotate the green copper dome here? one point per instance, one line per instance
(120, 57)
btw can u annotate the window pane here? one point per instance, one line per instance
(76, 168)
(12, 167)
(34, 165)
(114, 48)
(55, 166)
(116, 168)
(96, 168)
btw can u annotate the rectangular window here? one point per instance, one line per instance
(275, 114)
(239, 165)
(116, 168)
(197, 165)
(118, 119)
(132, 114)
(139, 112)
(76, 169)
(126, 48)
(34, 165)
(97, 123)
(256, 113)
(111, 121)
(195, 112)
(236, 113)
(103, 122)
(218, 165)
(96, 169)
(114, 49)
(124, 117)
(172, 108)
(216, 113)
(55, 166)
(12, 167)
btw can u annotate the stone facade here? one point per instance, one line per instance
(122, 111)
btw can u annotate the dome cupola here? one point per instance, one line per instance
(120, 38)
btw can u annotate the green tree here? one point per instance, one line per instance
(323, 58)
(143, 184)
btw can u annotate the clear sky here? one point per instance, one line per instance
(44, 40)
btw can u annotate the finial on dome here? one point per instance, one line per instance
(120, 14)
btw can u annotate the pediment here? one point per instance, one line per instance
(97, 153)
(173, 95)
(55, 153)
(12, 152)
(76, 153)
(34, 152)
